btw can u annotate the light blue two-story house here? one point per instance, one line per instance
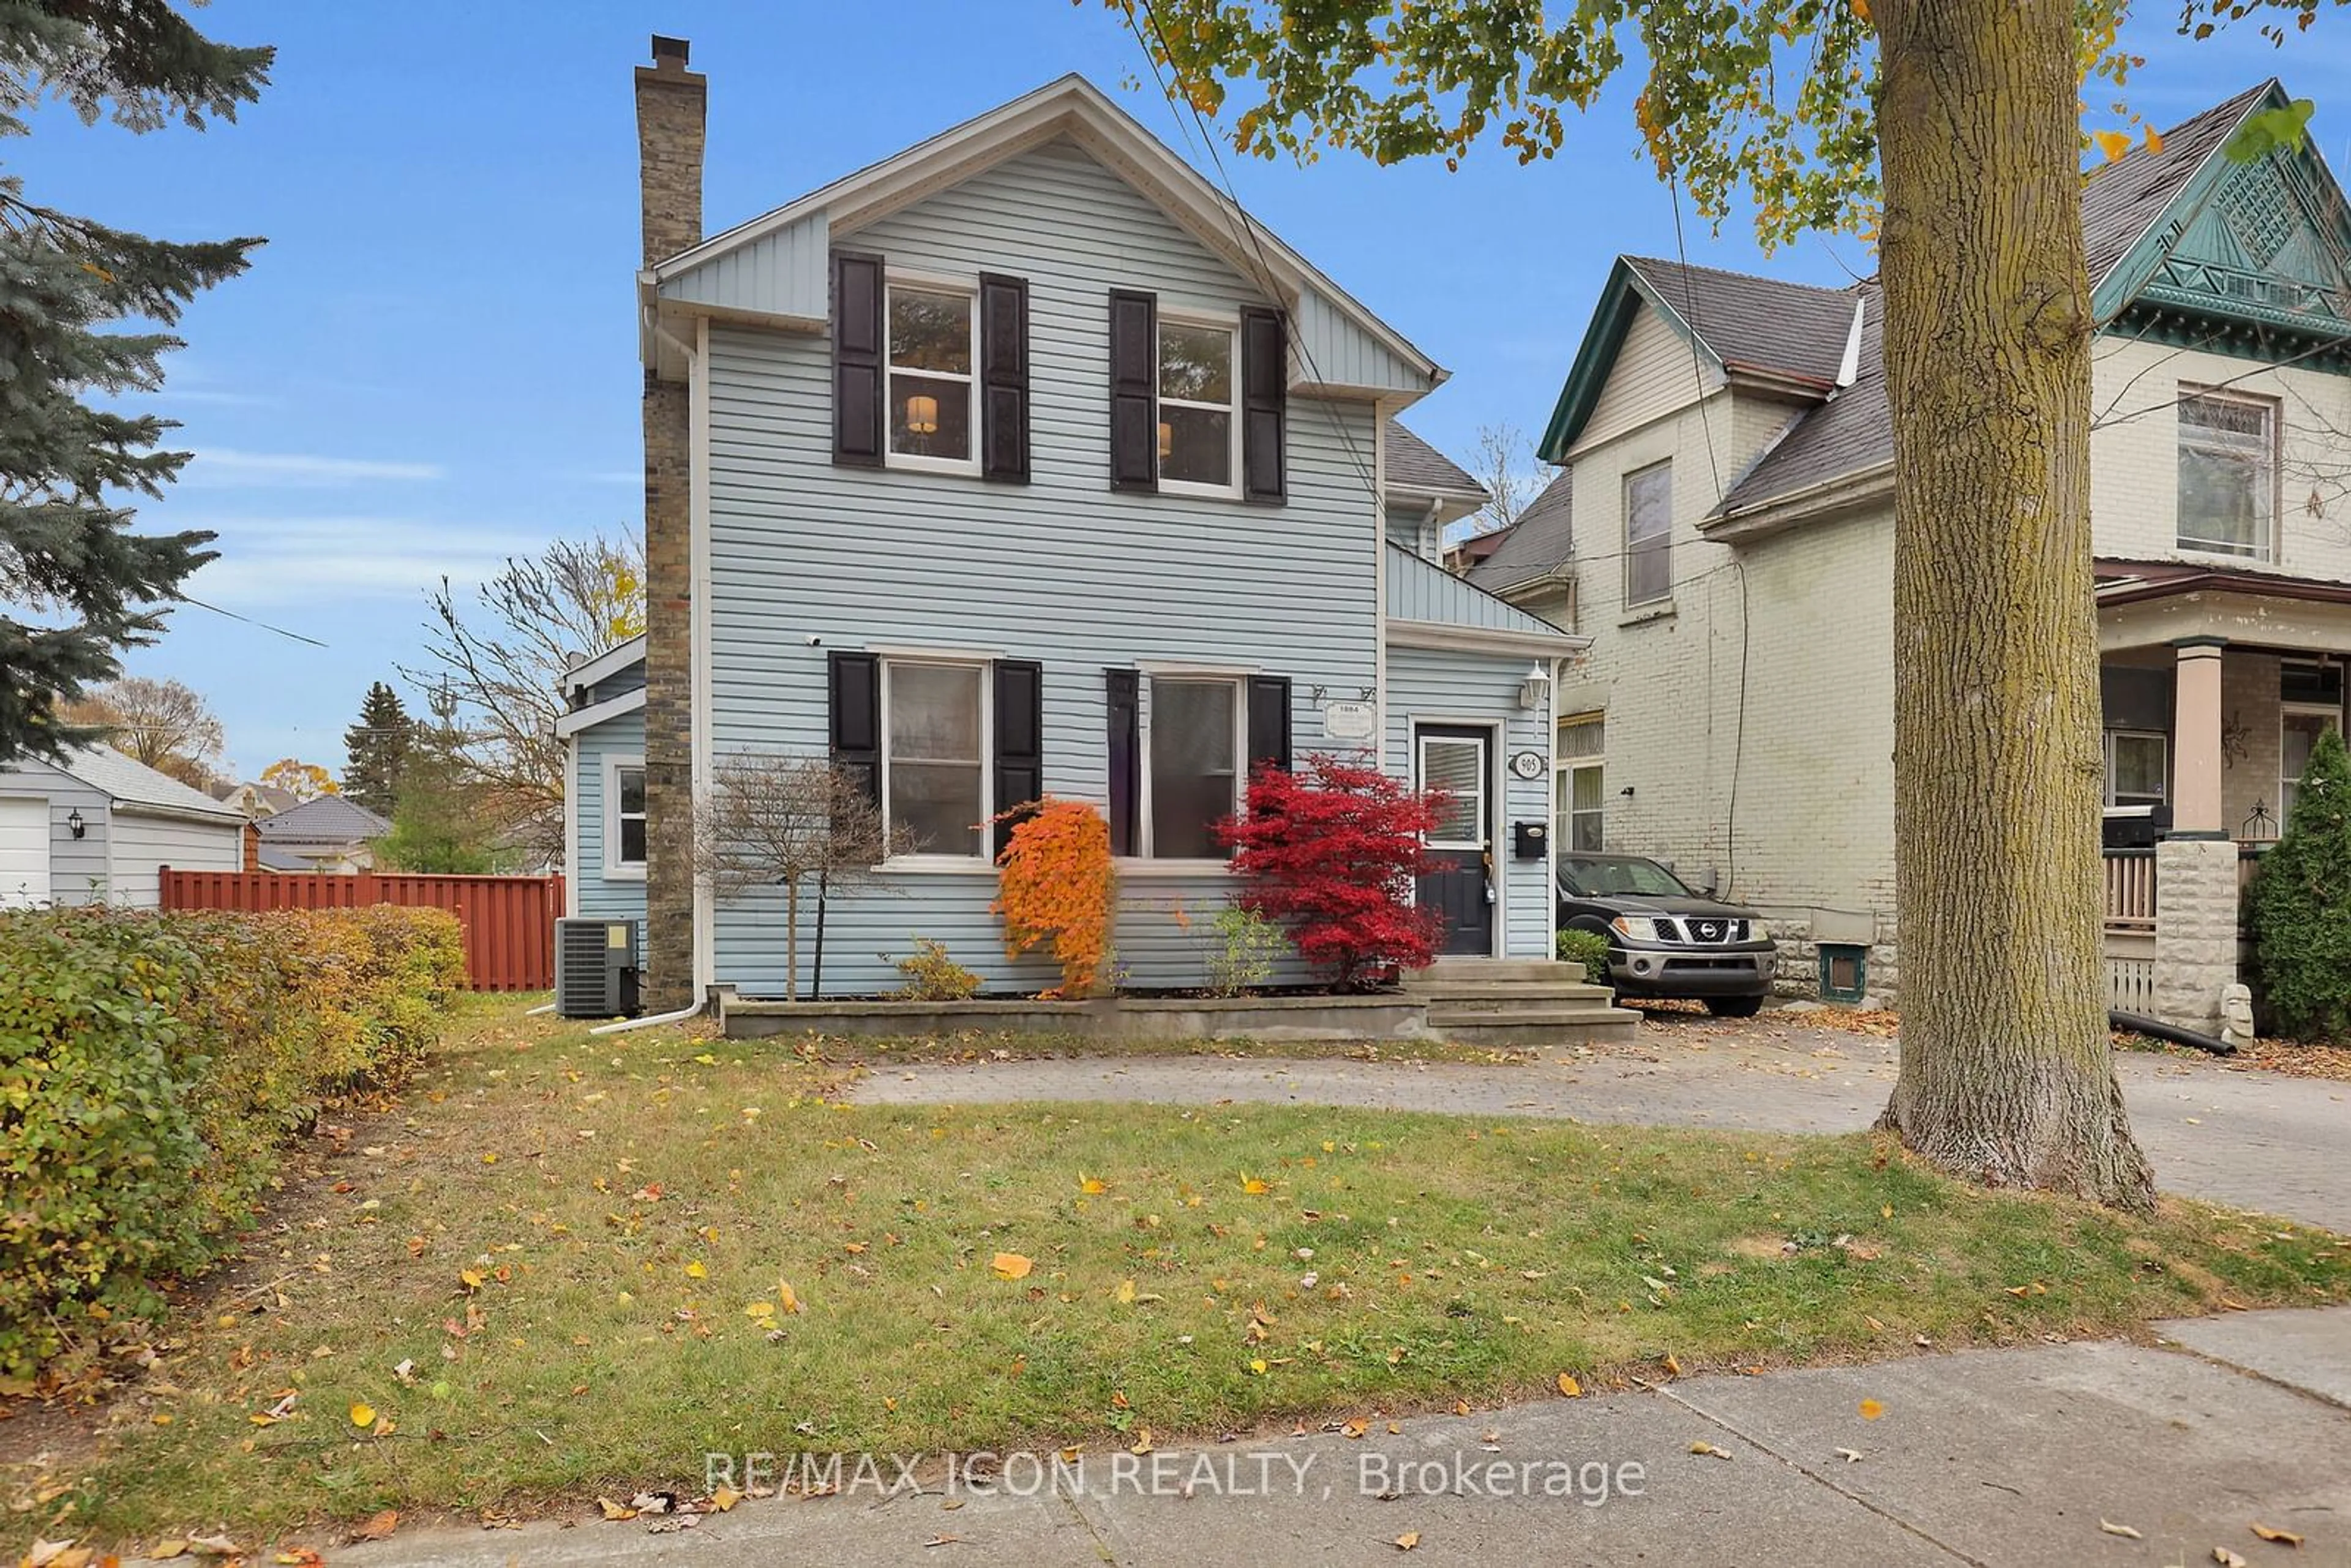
(1024, 462)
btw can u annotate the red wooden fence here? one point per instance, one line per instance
(509, 921)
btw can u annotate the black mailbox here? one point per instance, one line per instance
(1529, 840)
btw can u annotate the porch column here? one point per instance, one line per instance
(2196, 863)
(2196, 738)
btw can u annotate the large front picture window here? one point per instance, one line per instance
(933, 347)
(1198, 426)
(1195, 775)
(2228, 474)
(934, 741)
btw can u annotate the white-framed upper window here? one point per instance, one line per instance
(1193, 755)
(2228, 474)
(1650, 534)
(932, 354)
(1199, 417)
(624, 817)
(1583, 794)
(2138, 768)
(936, 728)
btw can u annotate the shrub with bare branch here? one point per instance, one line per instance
(791, 821)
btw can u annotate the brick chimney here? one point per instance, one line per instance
(671, 102)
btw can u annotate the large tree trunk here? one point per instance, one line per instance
(2006, 1072)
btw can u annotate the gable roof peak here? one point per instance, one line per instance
(1073, 106)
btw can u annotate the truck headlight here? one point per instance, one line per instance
(1634, 927)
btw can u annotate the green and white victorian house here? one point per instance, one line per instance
(1729, 481)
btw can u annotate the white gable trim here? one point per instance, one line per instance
(594, 713)
(604, 665)
(1075, 107)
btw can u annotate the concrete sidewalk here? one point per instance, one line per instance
(1985, 1457)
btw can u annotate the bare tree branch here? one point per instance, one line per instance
(787, 820)
(492, 666)
(1507, 466)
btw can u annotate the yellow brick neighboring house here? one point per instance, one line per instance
(1723, 533)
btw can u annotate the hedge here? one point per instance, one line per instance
(153, 1067)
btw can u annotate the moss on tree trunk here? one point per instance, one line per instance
(2006, 1072)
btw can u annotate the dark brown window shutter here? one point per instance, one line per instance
(1269, 722)
(856, 717)
(1124, 692)
(1265, 400)
(1134, 389)
(859, 433)
(1019, 739)
(1004, 377)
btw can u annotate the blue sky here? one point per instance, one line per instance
(431, 363)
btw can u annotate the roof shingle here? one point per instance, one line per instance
(1540, 542)
(1413, 465)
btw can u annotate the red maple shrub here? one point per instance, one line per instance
(1330, 853)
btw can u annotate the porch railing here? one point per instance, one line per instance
(2130, 890)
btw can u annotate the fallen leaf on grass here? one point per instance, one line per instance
(363, 1416)
(379, 1527)
(214, 1546)
(1570, 1386)
(164, 1551)
(2282, 1536)
(1142, 1441)
(1407, 1541)
(1092, 1186)
(2125, 1531)
(1254, 1186)
(787, 1296)
(52, 1554)
(1012, 1266)
(614, 1510)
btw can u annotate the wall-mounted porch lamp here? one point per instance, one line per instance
(1534, 692)
(74, 824)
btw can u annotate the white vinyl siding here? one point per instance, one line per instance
(139, 845)
(1062, 570)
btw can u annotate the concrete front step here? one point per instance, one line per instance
(1501, 990)
(1568, 1025)
(1515, 1004)
(1498, 969)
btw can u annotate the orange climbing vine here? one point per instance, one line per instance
(1059, 886)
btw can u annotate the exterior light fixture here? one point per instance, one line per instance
(74, 824)
(1534, 692)
(923, 415)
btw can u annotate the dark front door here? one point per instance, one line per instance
(1458, 762)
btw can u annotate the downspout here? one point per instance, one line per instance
(625, 1025)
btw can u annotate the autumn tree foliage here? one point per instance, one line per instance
(1330, 853)
(1060, 887)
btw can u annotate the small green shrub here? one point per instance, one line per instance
(2301, 904)
(933, 976)
(153, 1065)
(1588, 948)
(1252, 943)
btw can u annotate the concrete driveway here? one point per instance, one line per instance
(2251, 1139)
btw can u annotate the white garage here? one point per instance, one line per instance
(98, 828)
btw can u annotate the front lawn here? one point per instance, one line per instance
(575, 1265)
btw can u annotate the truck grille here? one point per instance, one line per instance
(1703, 930)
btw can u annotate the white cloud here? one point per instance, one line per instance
(327, 560)
(221, 464)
